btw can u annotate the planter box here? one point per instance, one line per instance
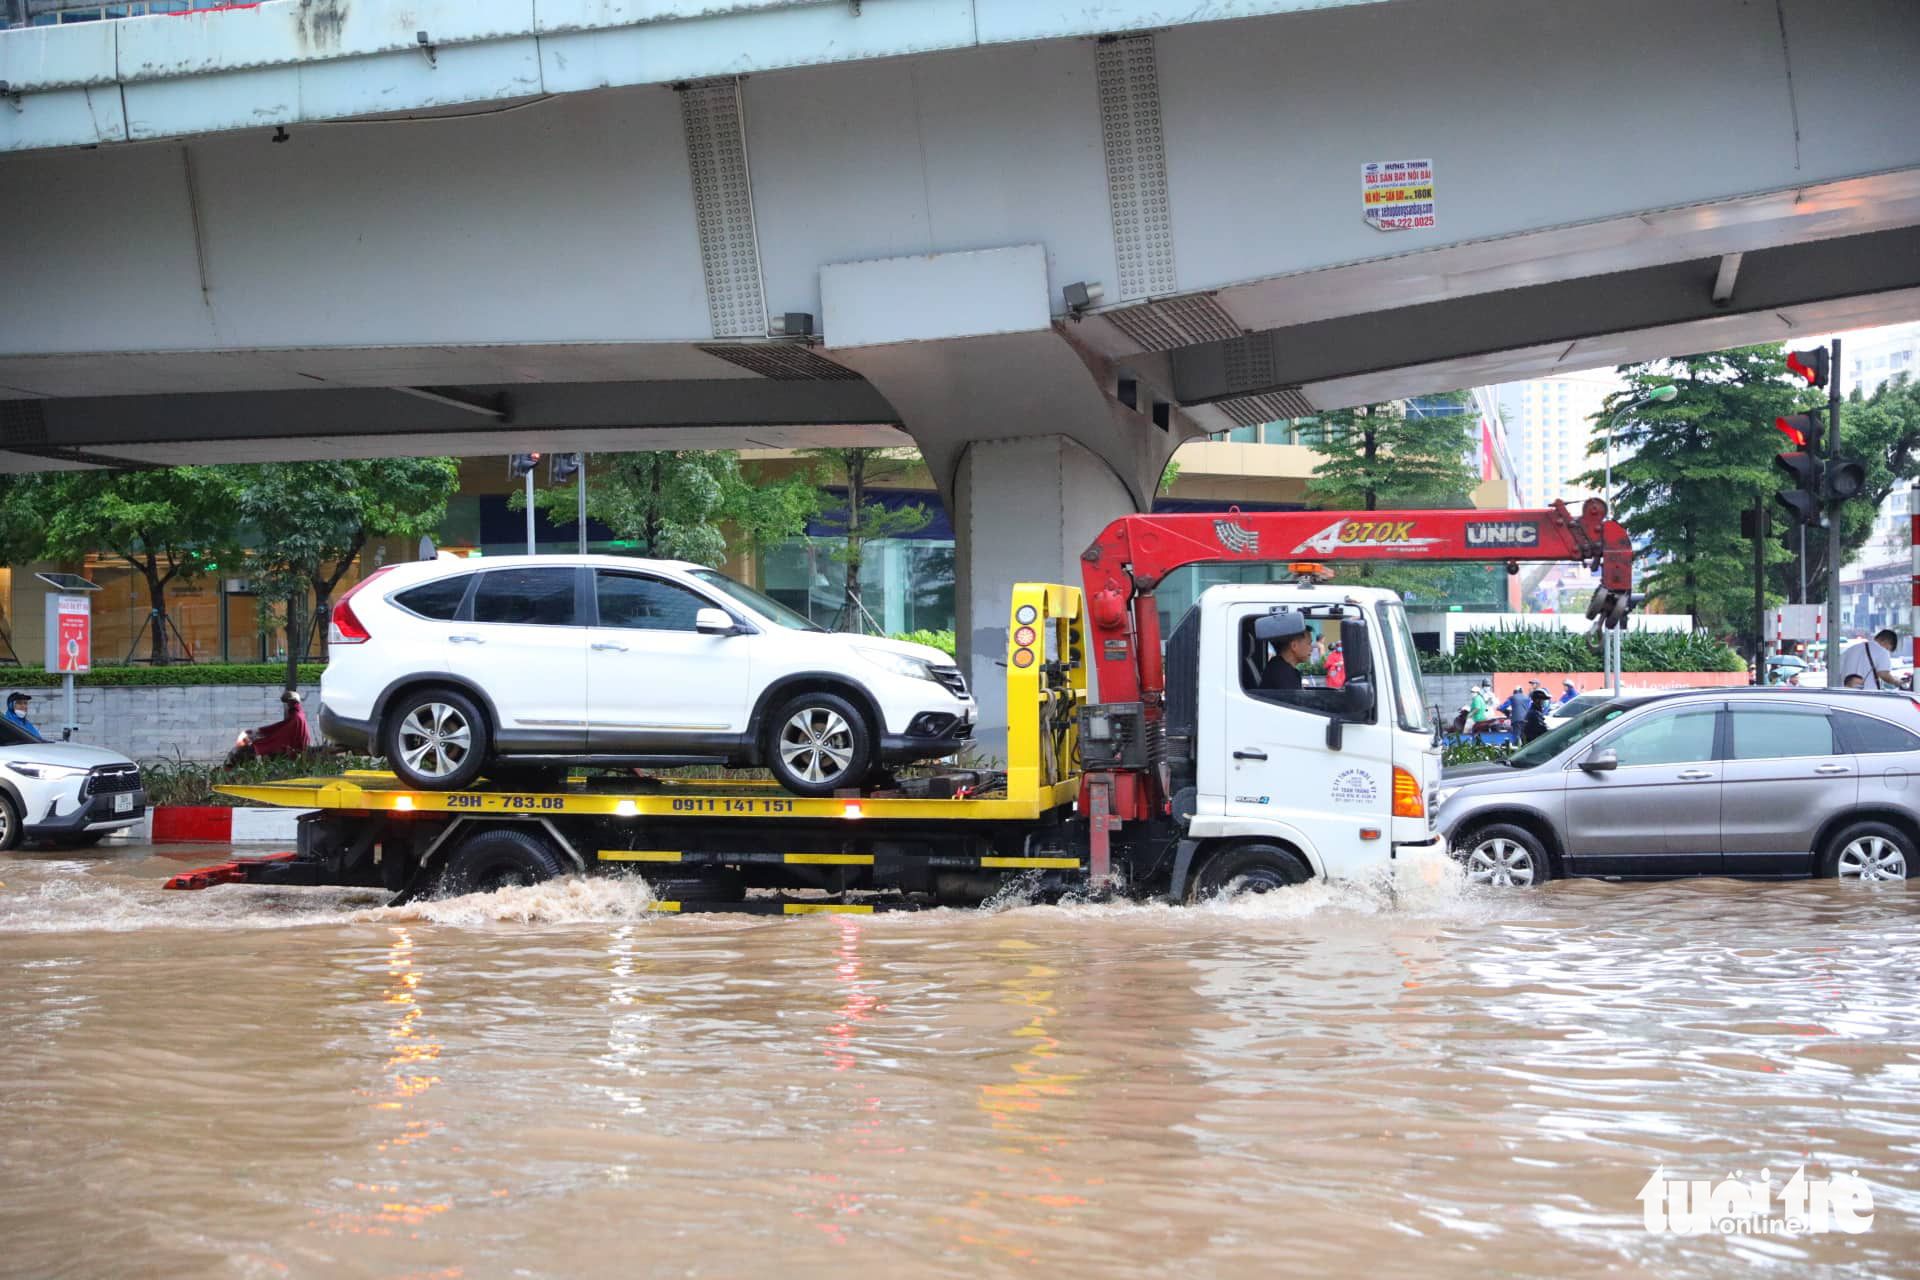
(1587, 681)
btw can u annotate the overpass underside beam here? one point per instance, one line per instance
(1577, 324)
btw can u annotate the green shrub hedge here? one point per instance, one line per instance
(941, 640)
(1542, 649)
(177, 673)
(177, 781)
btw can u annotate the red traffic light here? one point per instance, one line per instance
(1804, 429)
(1811, 365)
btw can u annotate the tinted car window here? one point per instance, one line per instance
(646, 604)
(439, 599)
(1775, 733)
(1671, 737)
(535, 597)
(1864, 735)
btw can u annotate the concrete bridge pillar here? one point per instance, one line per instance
(1036, 440)
(1023, 509)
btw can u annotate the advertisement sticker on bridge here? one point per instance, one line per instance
(1397, 195)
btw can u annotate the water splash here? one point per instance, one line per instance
(568, 900)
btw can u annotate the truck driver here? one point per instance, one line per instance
(1292, 644)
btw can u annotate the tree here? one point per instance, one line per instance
(1378, 456)
(1685, 469)
(166, 523)
(862, 521)
(314, 518)
(675, 502)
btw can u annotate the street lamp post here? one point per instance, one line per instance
(1667, 392)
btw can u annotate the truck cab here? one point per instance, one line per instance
(1342, 776)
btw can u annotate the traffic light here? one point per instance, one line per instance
(520, 464)
(1845, 479)
(562, 467)
(1811, 365)
(1804, 429)
(1803, 499)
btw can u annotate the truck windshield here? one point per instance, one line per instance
(1403, 661)
(766, 606)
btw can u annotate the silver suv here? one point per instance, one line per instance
(1762, 782)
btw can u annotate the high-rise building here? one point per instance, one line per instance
(1550, 423)
(1875, 586)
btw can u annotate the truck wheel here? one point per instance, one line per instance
(818, 743)
(1248, 868)
(436, 739)
(1506, 857)
(1867, 851)
(495, 859)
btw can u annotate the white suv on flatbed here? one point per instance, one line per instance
(520, 665)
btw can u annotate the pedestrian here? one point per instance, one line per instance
(1572, 692)
(1535, 724)
(1336, 668)
(1515, 708)
(1868, 664)
(17, 714)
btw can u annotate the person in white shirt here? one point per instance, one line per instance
(1868, 664)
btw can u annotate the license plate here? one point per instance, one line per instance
(123, 803)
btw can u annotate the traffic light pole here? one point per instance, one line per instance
(530, 550)
(1760, 529)
(1833, 522)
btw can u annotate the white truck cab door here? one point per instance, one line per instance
(1272, 761)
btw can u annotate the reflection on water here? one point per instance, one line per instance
(552, 1081)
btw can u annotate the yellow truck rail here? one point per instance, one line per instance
(1046, 686)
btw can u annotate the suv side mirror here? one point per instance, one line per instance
(1603, 761)
(713, 622)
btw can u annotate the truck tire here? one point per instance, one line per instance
(818, 743)
(1505, 856)
(435, 739)
(1867, 851)
(496, 859)
(1248, 868)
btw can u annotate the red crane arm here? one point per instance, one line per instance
(1127, 561)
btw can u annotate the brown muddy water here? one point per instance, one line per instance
(1324, 1082)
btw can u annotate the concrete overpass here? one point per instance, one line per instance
(475, 226)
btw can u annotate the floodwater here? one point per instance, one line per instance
(1322, 1082)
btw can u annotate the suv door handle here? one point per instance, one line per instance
(609, 646)
(466, 639)
(1248, 754)
(1695, 775)
(1831, 768)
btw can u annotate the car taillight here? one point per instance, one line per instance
(347, 627)
(1407, 800)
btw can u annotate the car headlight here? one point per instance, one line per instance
(898, 663)
(1445, 794)
(44, 771)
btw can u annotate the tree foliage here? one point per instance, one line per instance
(676, 504)
(1684, 470)
(1375, 457)
(167, 524)
(860, 521)
(312, 518)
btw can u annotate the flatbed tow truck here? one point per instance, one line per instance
(1193, 776)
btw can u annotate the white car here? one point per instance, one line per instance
(63, 793)
(518, 666)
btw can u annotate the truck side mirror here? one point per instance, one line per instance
(1357, 705)
(713, 622)
(1604, 760)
